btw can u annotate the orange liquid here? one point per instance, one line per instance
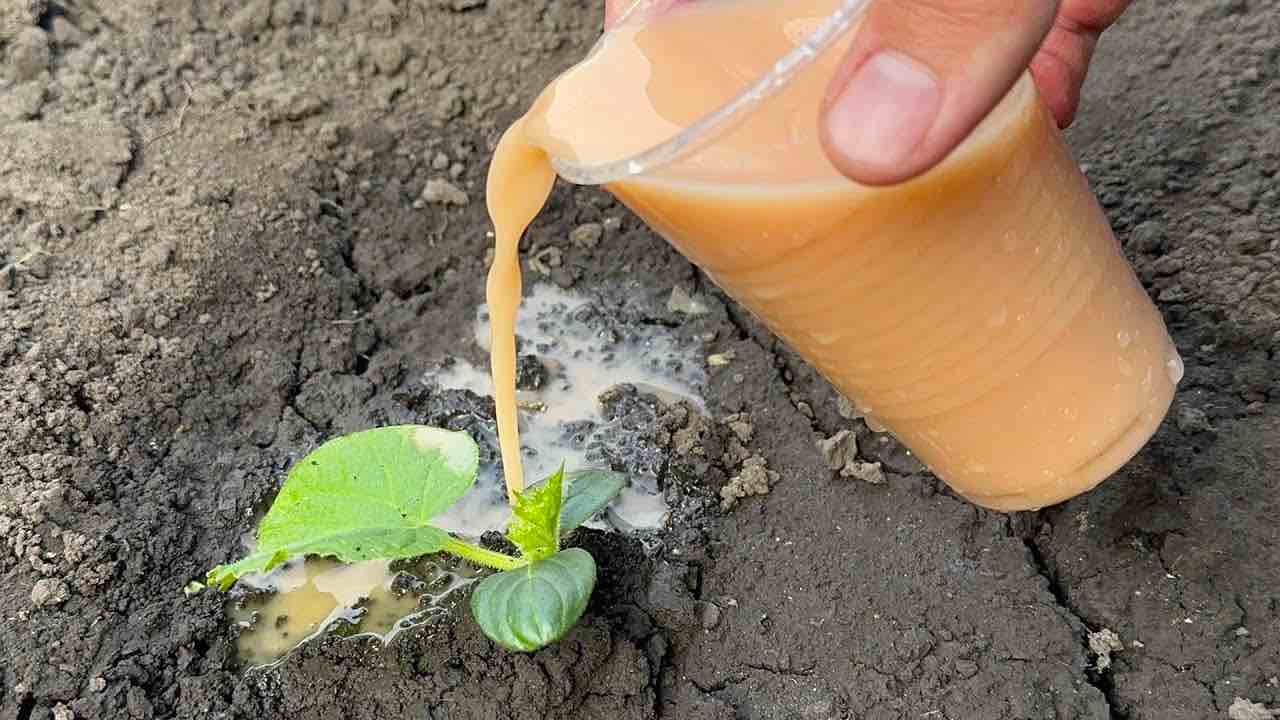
(983, 312)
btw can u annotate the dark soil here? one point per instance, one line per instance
(217, 252)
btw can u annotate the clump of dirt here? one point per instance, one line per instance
(1242, 709)
(840, 451)
(1102, 643)
(754, 478)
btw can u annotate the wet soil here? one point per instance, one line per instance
(230, 229)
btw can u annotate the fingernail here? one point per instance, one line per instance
(884, 112)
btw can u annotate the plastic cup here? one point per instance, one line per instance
(983, 313)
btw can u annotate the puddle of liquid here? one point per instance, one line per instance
(302, 600)
(581, 363)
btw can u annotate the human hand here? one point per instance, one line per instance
(921, 74)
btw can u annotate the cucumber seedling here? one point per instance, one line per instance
(372, 495)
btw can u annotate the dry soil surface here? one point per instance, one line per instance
(219, 247)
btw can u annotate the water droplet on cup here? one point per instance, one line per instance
(1124, 338)
(1174, 367)
(998, 318)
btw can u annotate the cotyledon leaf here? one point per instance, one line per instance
(368, 495)
(533, 606)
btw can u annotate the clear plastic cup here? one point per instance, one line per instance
(983, 313)
(738, 103)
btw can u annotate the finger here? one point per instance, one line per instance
(1060, 69)
(1062, 65)
(920, 75)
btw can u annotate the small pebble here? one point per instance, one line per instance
(587, 235)
(29, 54)
(1242, 709)
(710, 616)
(682, 302)
(721, 359)
(388, 56)
(49, 591)
(443, 192)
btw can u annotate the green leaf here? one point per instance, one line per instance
(535, 518)
(533, 606)
(589, 492)
(364, 496)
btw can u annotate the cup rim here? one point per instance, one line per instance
(719, 120)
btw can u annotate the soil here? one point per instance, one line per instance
(232, 228)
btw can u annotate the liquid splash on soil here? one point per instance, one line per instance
(566, 364)
(302, 600)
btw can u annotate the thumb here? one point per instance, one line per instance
(918, 78)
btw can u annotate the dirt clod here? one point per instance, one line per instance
(839, 450)
(15, 15)
(840, 453)
(755, 478)
(28, 54)
(684, 303)
(868, 472)
(1191, 419)
(389, 56)
(846, 408)
(587, 235)
(49, 592)
(439, 191)
(710, 615)
(94, 158)
(1102, 643)
(1242, 709)
(741, 426)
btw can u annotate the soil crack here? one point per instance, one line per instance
(719, 685)
(1103, 681)
(787, 672)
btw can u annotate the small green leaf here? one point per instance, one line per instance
(535, 518)
(195, 587)
(533, 606)
(589, 492)
(364, 496)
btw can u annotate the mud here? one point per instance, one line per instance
(229, 230)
